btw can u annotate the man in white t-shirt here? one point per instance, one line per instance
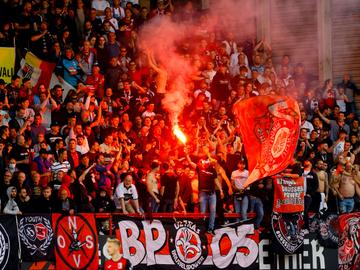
(238, 179)
(126, 196)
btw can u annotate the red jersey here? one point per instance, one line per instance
(122, 264)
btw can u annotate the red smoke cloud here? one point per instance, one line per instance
(162, 37)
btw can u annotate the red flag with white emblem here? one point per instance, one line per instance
(269, 127)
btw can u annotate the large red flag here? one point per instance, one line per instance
(269, 126)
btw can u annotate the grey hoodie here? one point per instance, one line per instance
(11, 206)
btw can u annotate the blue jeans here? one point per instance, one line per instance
(241, 206)
(257, 206)
(346, 205)
(205, 199)
(153, 205)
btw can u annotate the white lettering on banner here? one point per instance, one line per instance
(237, 239)
(156, 237)
(77, 260)
(153, 244)
(61, 241)
(245, 260)
(131, 241)
(72, 222)
(89, 240)
(263, 254)
(306, 254)
(223, 261)
(317, 254)
(295, 261)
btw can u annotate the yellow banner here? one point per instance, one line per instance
(7, 63)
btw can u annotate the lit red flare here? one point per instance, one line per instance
(179, 134)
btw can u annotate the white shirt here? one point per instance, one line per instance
(125, 193)
(240, 178)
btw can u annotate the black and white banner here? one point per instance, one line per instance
(9, 242)
(36, 237)
(184, 244)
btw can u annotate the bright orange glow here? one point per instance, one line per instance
(179, 134)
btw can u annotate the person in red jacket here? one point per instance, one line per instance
(117, 261)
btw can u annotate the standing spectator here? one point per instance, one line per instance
(323, 189)
(45, 108)
(346, 189)
(219, 88)
(73, 156)
(169, 190)
(207, 180)
(21, 153)
(70, 68)
(241, 198)
(62, 164)
(311, 185)
(350, 91)
(152, 187)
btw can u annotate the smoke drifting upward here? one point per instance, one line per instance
(162, 37)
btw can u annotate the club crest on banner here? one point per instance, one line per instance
(36, 234)
(328, 226)
(287, 230)
(76, 242)
(188, 247)
(349, 243)
(4, 247)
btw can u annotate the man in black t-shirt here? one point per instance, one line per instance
(169, 189)
(207, 180)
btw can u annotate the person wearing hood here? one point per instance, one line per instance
(11, 206)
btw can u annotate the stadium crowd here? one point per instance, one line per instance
(108, 145)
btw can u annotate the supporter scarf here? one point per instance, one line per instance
(37, 238)
(76, 245)
(269, 126)
(349, 242)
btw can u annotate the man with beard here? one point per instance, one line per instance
(323, 189)
(11, 206)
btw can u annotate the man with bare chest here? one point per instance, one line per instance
(346, 189)
(323, 188)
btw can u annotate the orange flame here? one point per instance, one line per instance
(179, 134)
